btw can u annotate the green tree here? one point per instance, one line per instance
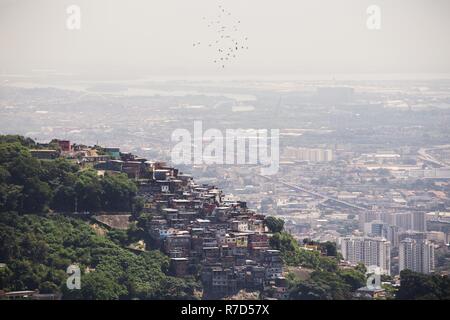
(10, 197)
(36, 196)
(138, 206)
(274, 224)
(330, 248)
(417, 286)
(88, 191)
(353, 278)
(118, 192)
(97, 285)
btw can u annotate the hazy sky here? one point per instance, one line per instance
(284, 37)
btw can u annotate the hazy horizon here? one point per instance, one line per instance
(292, 38)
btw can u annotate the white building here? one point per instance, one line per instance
(370, 251)
(411, 221)
(416, 255)
(308, 154)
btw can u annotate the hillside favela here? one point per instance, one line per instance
(196, 152)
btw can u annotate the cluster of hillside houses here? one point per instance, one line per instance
(195, 225)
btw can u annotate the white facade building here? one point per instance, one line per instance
(370, 251)
(308, 154)
(417, 256)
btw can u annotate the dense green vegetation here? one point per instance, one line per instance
(274, 224)
(326, 281)
(29, 185)
(294, 255)
(417, 286)
(37, 243)
(325, 285)
(37, 251)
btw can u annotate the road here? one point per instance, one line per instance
(316, 194)
(425, 156)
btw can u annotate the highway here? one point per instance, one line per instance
(425, 156)
(316, 194)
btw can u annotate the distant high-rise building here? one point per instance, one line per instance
(393, 236)
(404, 220)
(370, 251)
(417, 256)
(388, 217)
(411, 221)
(411, 234)
(418, 222)
(366, 217)
(376, 228)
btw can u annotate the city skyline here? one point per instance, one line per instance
(225, 150)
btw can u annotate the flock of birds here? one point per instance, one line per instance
(227, 42)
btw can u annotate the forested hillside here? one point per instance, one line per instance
(29, 185)
(38, 242)
(37, 250)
